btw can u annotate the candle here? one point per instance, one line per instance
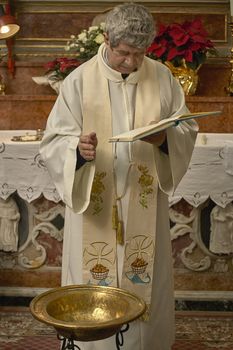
(231, 7)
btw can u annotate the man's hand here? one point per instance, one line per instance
(87, 146)
(156, 139)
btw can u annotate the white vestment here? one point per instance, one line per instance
(58, 150)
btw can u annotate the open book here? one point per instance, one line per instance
(139, 133)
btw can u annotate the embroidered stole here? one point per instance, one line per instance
(99, 237)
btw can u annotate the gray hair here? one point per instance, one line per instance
(130, 23)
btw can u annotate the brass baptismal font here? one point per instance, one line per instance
(87, 312)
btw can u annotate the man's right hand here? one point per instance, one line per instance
(87, 146)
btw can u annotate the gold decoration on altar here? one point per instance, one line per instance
(187, 77)
(29, 137)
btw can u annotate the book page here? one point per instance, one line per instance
(139, 133)
(198, 115)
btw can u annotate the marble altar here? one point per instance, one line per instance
(22, 169)
(201, 228)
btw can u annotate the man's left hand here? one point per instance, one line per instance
(156, 139)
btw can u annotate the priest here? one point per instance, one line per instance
(116, 194)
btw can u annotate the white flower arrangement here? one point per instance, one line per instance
(85, 45)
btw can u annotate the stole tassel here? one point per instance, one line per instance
(114, 217)
(117, 225)
(120, 233)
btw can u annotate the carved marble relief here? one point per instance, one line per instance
(210, 231)
(221, 237)
(194, 232)
(37, 230)
(9, 219)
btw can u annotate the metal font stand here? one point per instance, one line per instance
(120, 336)
(68, 343)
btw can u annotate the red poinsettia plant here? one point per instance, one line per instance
(178, 43)
(61, 67)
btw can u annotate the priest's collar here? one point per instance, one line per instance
(112, 74)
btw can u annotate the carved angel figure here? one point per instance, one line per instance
(9, 219)
(221, 237)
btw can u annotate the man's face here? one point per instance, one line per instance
(124, 58)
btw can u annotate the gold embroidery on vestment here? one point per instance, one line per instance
(98, 255)
(140, 247)
(139, 253)
(97, 189)
(145, 181)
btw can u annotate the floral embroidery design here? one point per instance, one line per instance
(145, 181)
(97, 189)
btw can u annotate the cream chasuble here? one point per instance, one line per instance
(100, 222)
(58, 150)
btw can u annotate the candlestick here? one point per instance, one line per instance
(230, 86)
(2, 86)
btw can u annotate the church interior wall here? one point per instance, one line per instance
(45, 28)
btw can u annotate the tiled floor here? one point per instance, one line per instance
(20, 331)
(204, 330)
(194, 331)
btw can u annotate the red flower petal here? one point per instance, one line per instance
(173, 52)
(179, 36)
(188, 55)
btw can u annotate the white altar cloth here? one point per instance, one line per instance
(22, 169)
(209, 174)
